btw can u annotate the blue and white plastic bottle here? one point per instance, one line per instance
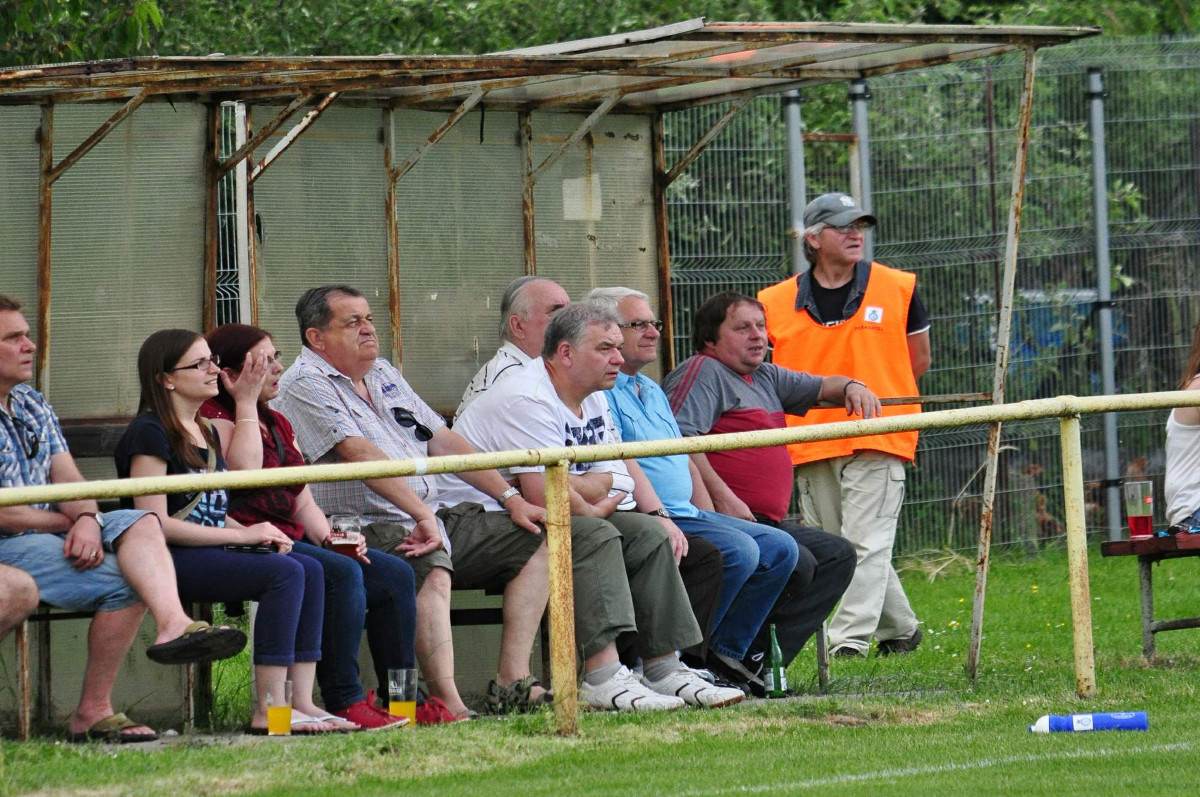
(1070, 723)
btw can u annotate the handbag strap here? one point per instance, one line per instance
(211, 467)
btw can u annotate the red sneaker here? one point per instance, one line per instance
(370, 718)
(434, 712)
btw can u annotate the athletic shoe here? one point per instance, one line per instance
(847, 652)
(906, 644)
(695, 691)
(368, 717)
(735, 672)
(624, 692)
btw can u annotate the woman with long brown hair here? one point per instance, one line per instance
(216, 558)
(376, 593)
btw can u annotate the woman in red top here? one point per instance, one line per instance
(378, 593)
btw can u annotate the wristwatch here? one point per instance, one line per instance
(96, 516)
(660, 512)
(507, 494)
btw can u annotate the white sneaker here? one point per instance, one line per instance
(624, 692)
(695, 691)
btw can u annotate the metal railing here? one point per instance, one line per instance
(562, 654)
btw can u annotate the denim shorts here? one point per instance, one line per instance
(101, 589)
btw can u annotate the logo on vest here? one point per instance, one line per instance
(873, 315)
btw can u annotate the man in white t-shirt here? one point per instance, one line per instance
(625, 562)
(526, 308)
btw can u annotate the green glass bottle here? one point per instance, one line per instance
(776, 675)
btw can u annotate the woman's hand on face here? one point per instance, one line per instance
(246, 385)
(267, 534)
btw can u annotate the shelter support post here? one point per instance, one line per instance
(1077, 562)
(584, 128)
(796, 178)
(393, 235)
(562, 600)
(247, 149)
(45, 234)
(252, 237)
(98, 134)
(702, 143)
(436, 136)
(525, 120)
(212, 181)
(290, 136)
(662, 242)
(859, 95)
(1003, 333)
(1104, 310)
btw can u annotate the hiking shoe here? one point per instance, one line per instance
(624, 692)
(695, 691)
(847, 652)
(906, 644)
(369, 718)
(515, 698)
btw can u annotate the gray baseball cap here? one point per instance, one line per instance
(835, 210)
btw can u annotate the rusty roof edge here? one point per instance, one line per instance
(613, 40)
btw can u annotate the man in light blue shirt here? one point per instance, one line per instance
(771, 575)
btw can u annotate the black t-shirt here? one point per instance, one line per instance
(831, 304)
(146, 435)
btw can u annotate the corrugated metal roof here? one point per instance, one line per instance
(671, 66)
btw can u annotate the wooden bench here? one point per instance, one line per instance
(1148, 552)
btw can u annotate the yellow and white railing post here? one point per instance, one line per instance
(562, 600)
(1077, 562)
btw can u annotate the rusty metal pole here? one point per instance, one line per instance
(1077, 559)
(662, 242)
(393, 235)
(527, 180)
(45, 235)
(212, 158)
(1003, 332)
(562, 600)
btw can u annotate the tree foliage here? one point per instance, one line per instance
(42, 31)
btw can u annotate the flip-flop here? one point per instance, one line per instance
(109, 730)
(302, 725)
(198, 644)
(340, 725)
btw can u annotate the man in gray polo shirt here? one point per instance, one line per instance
(349, 405)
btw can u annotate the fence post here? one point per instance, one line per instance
(859, 94)
(796, 181)
(1077, 563)
(1112, 461)
(562, 600)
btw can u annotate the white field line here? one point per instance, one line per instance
(934, 769)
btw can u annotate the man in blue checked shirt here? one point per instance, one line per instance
(790, 577)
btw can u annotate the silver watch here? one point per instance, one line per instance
(507, 494)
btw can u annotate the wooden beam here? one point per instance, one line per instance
(212, 180)
(561, 603)
(436, 136)
(706, 139)
(291, 136)
(98, 135)
(581, 131)
(528, 227)
(45, 236)
(662, 243)
(262, 135)
(393, 236)
(251, 234)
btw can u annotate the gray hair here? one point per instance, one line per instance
(571, 324)
(810, 254)
(515, 301)
(313, 311)
(611, 297)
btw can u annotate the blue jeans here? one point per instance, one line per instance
(382, 598)
(758, 560)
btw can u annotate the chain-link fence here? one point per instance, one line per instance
(942, 143)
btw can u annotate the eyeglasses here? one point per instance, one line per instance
(29, 437)
(406, 419)
(640, 326)
(858, 226)
(200, 365)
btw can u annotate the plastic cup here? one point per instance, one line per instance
(1139, 509)
(402, 694)
(279, 709)
(345, 533)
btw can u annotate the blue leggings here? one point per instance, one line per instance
(290, 591)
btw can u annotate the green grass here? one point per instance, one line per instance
(909, 725)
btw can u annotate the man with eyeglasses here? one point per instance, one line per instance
(347, 404)
(114, 564)
(866, 320)
(526, 308)
(791, 577)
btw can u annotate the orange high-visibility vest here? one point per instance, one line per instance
(870, 346)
